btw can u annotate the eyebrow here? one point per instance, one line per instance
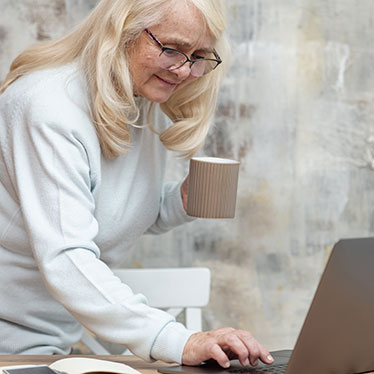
(182, 44)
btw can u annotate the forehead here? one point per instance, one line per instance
(184, 25)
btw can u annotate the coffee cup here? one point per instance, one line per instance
(212, 187)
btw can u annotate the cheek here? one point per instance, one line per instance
(142, 64)
(147, 62)
(141, 71)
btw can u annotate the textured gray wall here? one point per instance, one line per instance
(297, 109)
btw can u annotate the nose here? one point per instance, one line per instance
(183, 72)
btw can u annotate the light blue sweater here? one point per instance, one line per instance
(67, 215)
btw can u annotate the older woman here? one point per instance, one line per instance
(82, 163)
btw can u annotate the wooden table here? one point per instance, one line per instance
(136, 363)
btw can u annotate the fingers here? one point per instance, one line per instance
(184, 192)
(223, 345)
(266, 357)
(255, 350)
(237, 346)
(202, 346)
(220, 356)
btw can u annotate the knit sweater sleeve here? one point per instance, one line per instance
(171, 212)
(49, 166)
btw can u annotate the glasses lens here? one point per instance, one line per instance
(200, 68)
(170, 59)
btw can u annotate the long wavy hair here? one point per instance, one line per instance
(101, 45)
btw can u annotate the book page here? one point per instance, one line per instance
(81, 365)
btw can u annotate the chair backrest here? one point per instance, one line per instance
(173, 289)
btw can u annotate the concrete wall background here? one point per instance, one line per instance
(297, 109)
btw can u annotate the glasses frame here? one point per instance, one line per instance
(163, 49)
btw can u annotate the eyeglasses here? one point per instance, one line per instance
(172, 59)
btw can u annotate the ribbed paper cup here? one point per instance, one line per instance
(212, 187)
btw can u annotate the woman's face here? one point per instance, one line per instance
(182, 29)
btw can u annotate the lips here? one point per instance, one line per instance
(168, 82)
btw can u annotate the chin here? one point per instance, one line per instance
(157, 98)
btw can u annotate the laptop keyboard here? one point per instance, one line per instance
(281, 369)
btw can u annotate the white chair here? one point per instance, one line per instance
(176, 290)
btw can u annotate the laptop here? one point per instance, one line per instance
(338, 332)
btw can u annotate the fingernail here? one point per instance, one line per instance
(226, 364)
(270, 358)
(255, 363)
(246, 362)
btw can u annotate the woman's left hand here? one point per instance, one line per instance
(184, 193)
(223, 345)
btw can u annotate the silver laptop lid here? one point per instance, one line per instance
(337, 335)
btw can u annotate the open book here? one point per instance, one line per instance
(73, 365)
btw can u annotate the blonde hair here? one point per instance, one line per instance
(101, 44)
